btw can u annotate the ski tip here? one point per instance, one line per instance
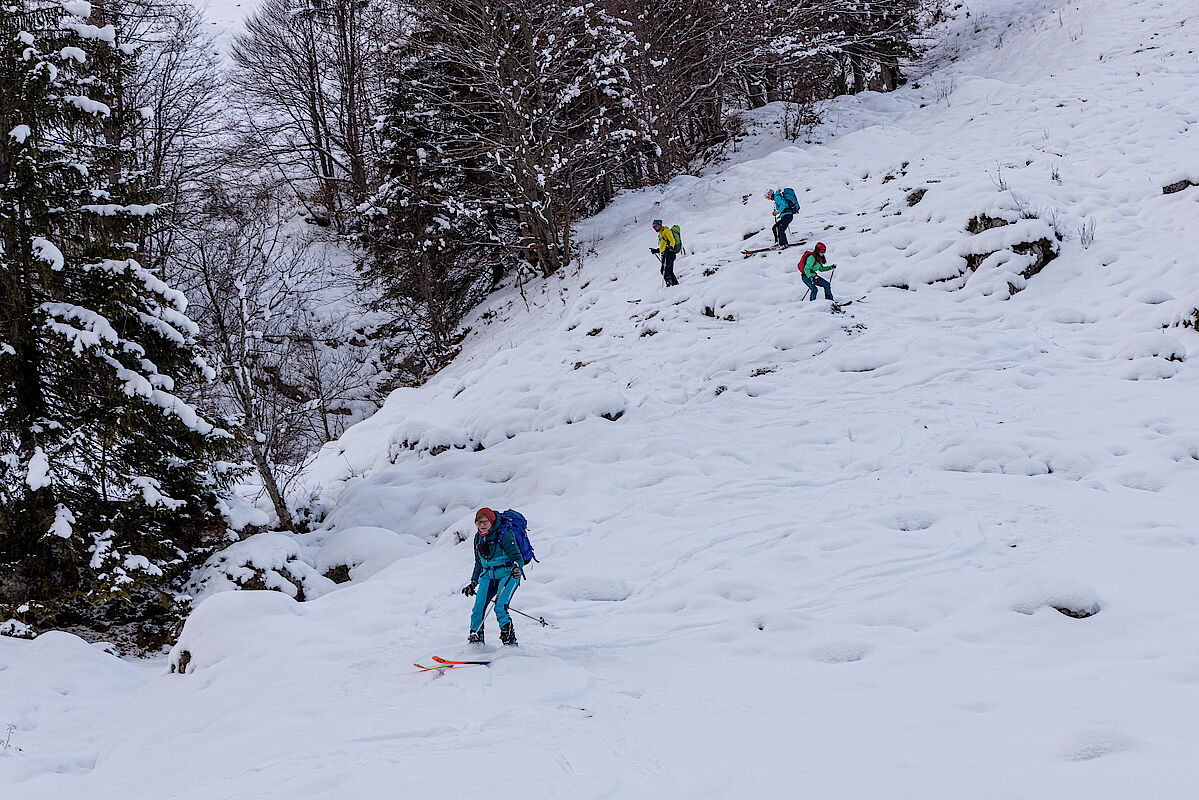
(425, 668)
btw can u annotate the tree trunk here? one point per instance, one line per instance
(258, 454)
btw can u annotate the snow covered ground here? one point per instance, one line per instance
(225, 17)
(788, 553)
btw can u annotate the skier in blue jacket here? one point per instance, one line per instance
(784, 211)
(497, 573)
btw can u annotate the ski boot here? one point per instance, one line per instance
(508, 635)
(476, 637)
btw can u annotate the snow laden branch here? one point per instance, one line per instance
(279, 317)
(95, 434)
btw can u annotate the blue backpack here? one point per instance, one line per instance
(792, 201)
(519, 527)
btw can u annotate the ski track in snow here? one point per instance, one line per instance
(812, 554)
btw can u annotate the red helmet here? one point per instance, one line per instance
(820, 248)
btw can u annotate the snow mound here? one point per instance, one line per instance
(365, 551)
(263, 561)
(229, 623)
(990, 455)
(1151, 345)
(1090, 743)
(1069, 597)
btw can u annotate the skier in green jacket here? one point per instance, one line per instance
(810, 265)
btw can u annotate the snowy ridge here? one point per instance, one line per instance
(938, 546)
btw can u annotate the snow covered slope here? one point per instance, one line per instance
(788, 553)
(225, 17)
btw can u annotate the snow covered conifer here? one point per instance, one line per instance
(106, 476)
(430, 233)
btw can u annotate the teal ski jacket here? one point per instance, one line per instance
(497, 550)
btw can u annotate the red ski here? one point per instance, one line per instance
(444, 667)
(446, 661)
(748, 253)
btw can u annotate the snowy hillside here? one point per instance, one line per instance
(941, 545)
(225, 17)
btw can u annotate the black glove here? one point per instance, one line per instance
(469, 589)
(654, 250)
(516, 573)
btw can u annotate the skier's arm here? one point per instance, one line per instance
(474, 576)
(811, 266)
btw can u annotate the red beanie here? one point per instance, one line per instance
(486, 512)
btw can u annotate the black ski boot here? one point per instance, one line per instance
(508, 635)
(476, 637)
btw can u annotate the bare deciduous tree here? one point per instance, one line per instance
(277, 320)
(307, 77)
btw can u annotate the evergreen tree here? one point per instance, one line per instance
(429, 230)
(107, 478)
(532, 102)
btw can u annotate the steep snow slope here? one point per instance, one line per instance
(225, 17)
(789, 553)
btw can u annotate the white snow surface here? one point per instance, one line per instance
(225, 19)
(788, 553)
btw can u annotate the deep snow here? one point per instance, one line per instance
(789, 553)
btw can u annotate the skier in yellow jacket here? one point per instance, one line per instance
(666, 250)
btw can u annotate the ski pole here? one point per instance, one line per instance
(530, 616)
(661, 259)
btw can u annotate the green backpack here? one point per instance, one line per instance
(678, 238)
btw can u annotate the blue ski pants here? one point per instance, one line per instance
(501, 587)
(815, 282)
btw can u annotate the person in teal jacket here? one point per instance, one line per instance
(498, 570)
(784, 211)
(810, 266)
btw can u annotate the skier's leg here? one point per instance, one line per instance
(483, 595)
(811, 287)
(503, 598)
(828, 289)
(781, 226)
(668, 267)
